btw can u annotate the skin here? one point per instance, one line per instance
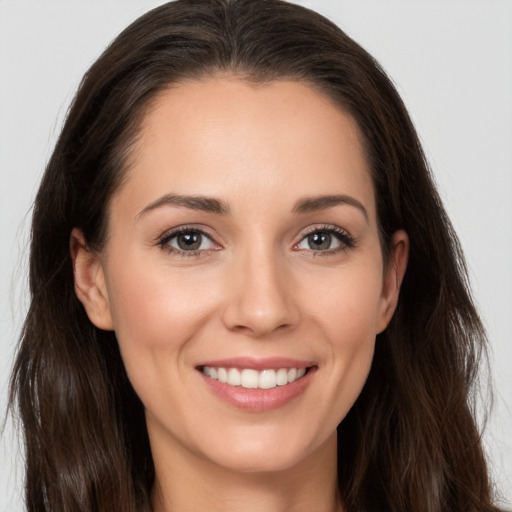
(256, 288)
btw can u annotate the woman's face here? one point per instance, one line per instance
(243, 246)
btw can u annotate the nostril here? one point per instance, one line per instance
(258, 309)
(261, 328)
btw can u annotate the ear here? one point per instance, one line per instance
(90, 286)
(393, 277)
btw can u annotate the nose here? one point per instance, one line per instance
(260, 298)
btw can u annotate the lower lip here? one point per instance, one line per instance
(259, 399)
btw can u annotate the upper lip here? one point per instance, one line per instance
(258, 363)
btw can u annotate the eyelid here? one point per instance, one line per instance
(347, 241)
(163, 240)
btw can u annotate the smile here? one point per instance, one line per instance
(257, 384)
(253, 379)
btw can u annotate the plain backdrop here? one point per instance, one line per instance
(452, 62)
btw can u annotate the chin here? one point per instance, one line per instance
(270, 453)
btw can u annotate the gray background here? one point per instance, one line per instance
(452, 62)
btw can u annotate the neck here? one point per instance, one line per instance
(186, 482)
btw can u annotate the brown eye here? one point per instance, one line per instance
(188, 240)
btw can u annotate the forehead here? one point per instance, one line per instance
(226, 137)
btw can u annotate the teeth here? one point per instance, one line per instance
(253, 379)
(282, 377)
(267, 379)
(222, 374)
(234, 377)
(249, 379)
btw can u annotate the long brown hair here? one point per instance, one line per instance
(410, 442)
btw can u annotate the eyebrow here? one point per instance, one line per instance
(309, 204)
(216, 206)
(203, 203)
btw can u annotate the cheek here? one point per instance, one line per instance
(155, 313)
(347, 315)
(349, 305)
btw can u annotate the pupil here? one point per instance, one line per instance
(319, 241)
(189, 241)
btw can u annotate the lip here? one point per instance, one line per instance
(268, 363)
(258, 400)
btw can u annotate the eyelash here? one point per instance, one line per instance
(346, 240)
(164, 240)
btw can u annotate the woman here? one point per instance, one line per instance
(245, 292)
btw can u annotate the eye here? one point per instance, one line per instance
(187, 240)
(328, 239)
(319, 241)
